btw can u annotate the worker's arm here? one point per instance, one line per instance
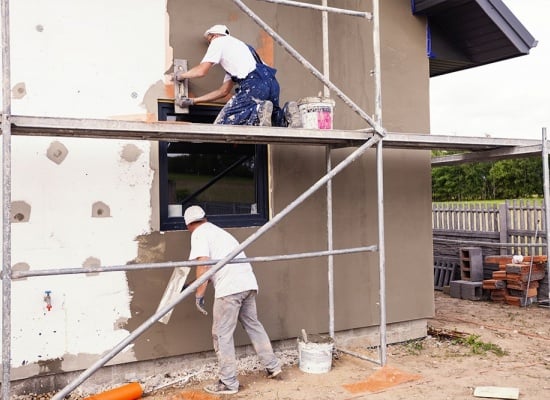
(197, 71)
(201, 270)
(219, 93)
(201, 290)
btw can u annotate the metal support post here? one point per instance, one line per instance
(6, 202)
(381, 253)
(330, 236)
(326, 52)
(323, 8)
(546, 202)
(193, 286)
(380, 180)
(175, 264)
(379, 129)
(330, 246)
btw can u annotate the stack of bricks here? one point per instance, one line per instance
(515, 283)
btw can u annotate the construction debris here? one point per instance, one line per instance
(445, 334)
(515, 283)
(496, 392)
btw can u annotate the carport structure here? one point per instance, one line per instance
(373, 136)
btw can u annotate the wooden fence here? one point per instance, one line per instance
(512, 227)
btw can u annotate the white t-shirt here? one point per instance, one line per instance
(209, 240)
(232, 54)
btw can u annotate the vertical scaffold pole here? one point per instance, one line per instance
(326, 53)
(6, 202)
(546, 201)
(380, 180)
(330, 242)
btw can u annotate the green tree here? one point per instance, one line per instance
(517, 178)
(505, 179)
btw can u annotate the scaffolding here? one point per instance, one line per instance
(374, 136)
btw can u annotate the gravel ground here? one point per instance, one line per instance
(471, 344)
(177, 379)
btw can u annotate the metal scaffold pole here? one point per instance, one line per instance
(191, 288)
(323, 8)
(546, 202)
(380, 180)
(379, 130)
(6, 203)
(330, 246)
(176, 264)
(330, 234)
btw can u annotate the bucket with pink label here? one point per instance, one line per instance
(316, 112)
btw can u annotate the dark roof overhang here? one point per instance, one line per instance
(468, 33)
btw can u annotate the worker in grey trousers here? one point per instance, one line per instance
(235, 289)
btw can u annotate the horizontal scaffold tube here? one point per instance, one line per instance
(206, 276)
(489, 244)
(174, 264)
(278, 38)
(335, 10)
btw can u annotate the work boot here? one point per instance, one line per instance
(292, 115)
(265, 109)
(272, 374)
(219, 388)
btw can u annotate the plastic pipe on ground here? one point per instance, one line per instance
(131, 391)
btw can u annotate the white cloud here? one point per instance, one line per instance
(506, 99)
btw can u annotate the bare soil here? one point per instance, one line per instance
(471, 344)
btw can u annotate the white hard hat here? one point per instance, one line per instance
(193, 214)
(217, 30)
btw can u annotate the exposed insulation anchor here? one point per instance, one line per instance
(48, 299)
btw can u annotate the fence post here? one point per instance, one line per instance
(503, 217)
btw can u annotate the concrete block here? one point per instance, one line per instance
(471, 264)
(455, 289)
(471, 290)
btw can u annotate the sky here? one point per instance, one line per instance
(507, 99)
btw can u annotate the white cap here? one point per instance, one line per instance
(193, 214)
(217, 30)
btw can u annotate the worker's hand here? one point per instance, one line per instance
(185, 102)
(178, 77)
(199, 303)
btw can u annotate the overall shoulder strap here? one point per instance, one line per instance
(255, 55)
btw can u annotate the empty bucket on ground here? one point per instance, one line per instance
(315, 353)
(316, 112)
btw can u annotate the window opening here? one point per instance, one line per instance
(228, 180)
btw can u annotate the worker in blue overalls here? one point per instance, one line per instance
(256, 99)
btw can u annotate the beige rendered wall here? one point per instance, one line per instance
(293, 295)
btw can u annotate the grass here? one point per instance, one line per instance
(414, 347)
(479, 347)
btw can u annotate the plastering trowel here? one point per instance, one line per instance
(180, 88)
(173, 289)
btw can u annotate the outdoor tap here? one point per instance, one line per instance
(48, 300)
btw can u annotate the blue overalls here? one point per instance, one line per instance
(259, 85)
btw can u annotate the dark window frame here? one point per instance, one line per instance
(206, 114)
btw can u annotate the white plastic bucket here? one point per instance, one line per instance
(316, 112)
(315, 355)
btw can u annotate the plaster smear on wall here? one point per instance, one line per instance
(87, 60)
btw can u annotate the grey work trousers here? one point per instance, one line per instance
(226, 312)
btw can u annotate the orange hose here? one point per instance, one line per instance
(131, 391)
